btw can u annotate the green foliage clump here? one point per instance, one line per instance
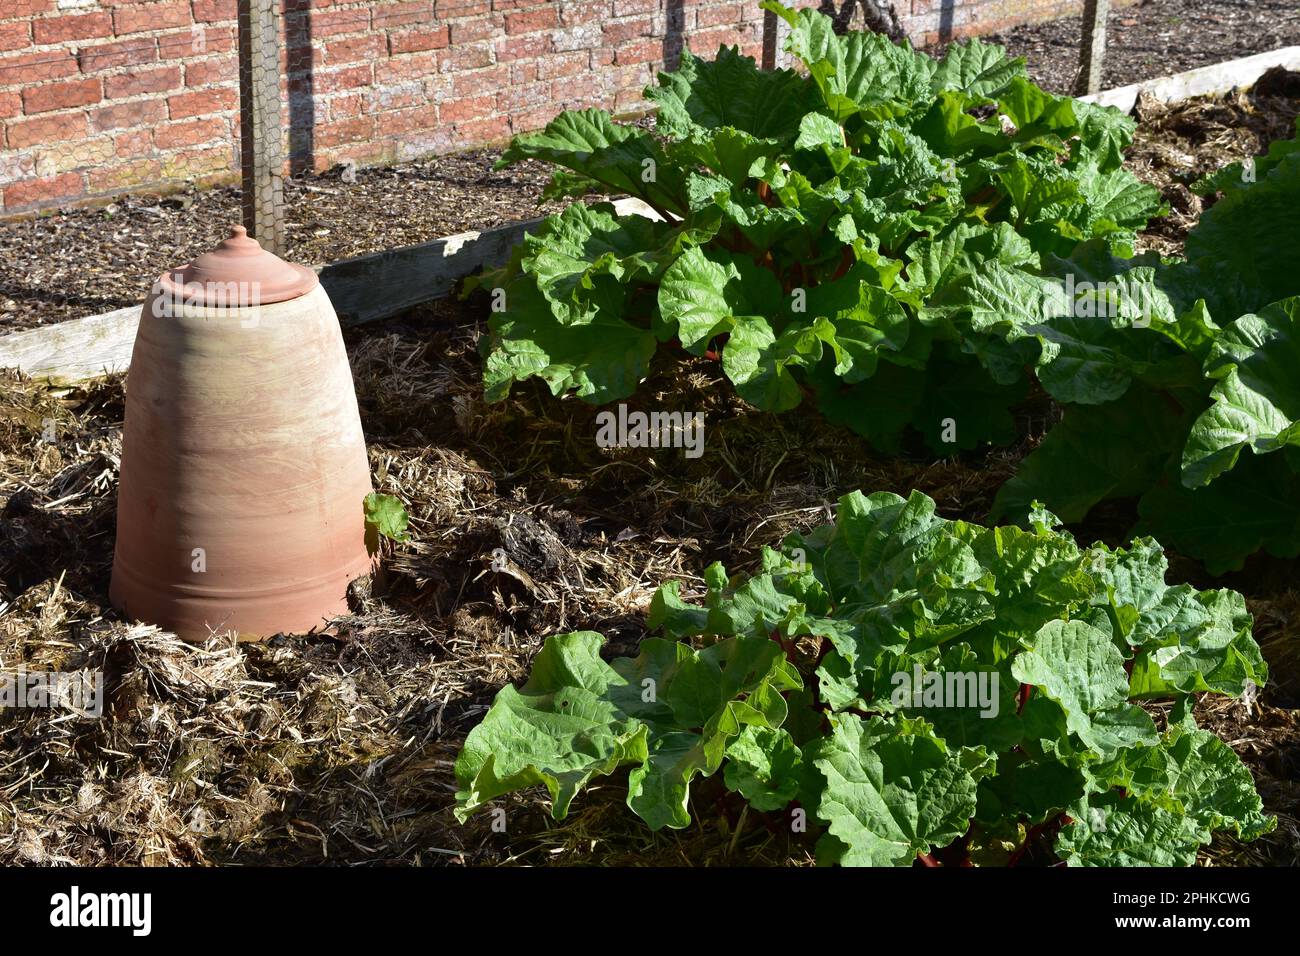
(814, 231)
(1186, 396)
(909, 683)
(911, 243)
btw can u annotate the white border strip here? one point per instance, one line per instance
(1219, 78)
(363, 289)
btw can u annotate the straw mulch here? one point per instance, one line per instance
(1178, 143)
(338, 747)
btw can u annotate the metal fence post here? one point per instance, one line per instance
(261, 139)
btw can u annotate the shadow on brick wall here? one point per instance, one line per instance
(302, 100)
(674, 33)
(946, 9)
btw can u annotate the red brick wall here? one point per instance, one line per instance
(98, 97)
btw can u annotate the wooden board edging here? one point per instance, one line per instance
(78, 350)
(382, 284)
(363, 289)
(1218, 78)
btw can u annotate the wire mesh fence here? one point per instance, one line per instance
(261, 140)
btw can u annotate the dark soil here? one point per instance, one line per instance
(84, 261)
(1178, 143)
(1156, 38)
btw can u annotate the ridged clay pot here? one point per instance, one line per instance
(243, 461)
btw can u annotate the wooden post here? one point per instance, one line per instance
(1092, 52)
(261, 139)
(775, 30)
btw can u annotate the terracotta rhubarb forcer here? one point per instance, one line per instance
(243, 462)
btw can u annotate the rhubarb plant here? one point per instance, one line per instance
(1185, 393)
(812, 228)
(912, 244)
(908, 688)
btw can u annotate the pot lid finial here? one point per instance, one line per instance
(238, 273)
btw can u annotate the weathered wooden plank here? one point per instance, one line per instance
(378, 286)
(76, 351)
(1219, 78)
(363, 289)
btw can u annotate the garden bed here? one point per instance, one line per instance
(1180, 142)
(337, 748)
(1155, 38)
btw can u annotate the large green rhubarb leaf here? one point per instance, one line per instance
(697, 703)
(764, 766)
(1212, 786)
(892, 790)
(856, 72)
(1111, 830)
(863, 319)
(1114, 450)
(1253, 507)
(978, 68)
(1078, 666)
(1104, 132)
(1208, 647)
(1116, 198)
(568, 252)
(1040, 118)
(597, 354)
(1241, 254)
(730, 91)
(621, 159)
(1175, 794)
(1257, 398)
(559, 730)
(703, 294)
